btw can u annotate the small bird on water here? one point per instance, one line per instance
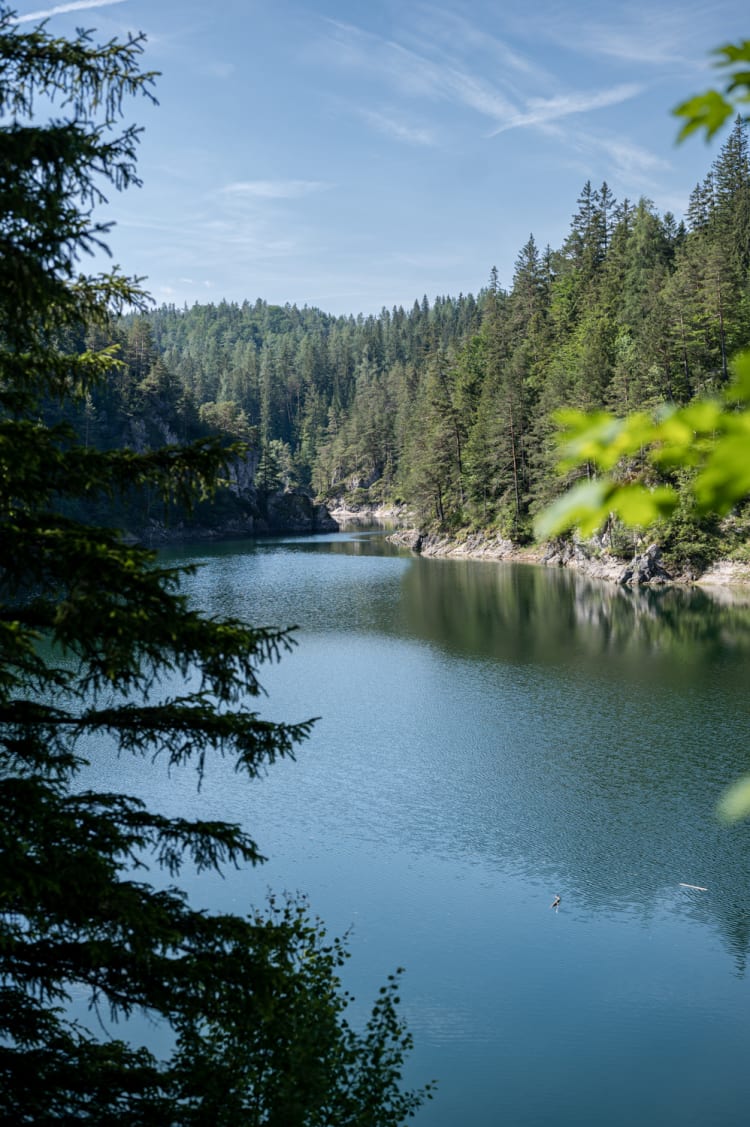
(556, 902)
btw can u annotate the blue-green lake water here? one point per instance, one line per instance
(491, 735)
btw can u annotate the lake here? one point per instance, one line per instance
(492, 735)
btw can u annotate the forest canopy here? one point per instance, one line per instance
(451, 406)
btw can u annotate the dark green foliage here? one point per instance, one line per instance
(99, 647)
(451, 405)
(688, 464)
(435, 456)
(337, 391)
(689, 538)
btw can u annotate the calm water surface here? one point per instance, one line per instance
(491, 735)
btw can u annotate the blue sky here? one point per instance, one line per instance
(359, 155)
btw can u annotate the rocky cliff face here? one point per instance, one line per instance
(645, 568)
(294, 511)
(240, 511)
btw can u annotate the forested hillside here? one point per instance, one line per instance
(450, 406)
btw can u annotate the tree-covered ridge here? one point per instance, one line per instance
(450, 406)
(298, 377)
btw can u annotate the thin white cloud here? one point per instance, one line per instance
(201, 240)
(448, 79)
(442, 259)
(454, 31)
(656, 35)
(631, 159)
(59, 9)
(124, 220)
(399, 130)
(541, 111)
(273, 189)
(629, 47)
(478, 95)
(415, 74)
(675, 202)
(218, 70)
(634, 168)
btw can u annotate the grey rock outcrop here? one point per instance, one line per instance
(407, 538)
(645, 568)
(293, 511)
(586, 557)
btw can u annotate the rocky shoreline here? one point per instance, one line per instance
(345, 513)
(294, 511)
(644, 569)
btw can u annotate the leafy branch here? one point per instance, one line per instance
(710, 111)
(709, 436)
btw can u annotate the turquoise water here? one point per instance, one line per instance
(492, 735)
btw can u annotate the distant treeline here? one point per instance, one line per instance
(450, 406)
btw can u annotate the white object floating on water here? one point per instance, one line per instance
(697, 887)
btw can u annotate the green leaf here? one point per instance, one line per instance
(638, 506)
(725, 478)
(700, 416)
(584, 506)
(706, 111)
(735, 802)
(734, 53)
(711, 110)
(604, 440)
(741, 78)
(739, 389)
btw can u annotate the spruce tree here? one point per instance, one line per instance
(731, 176)
(94, 634)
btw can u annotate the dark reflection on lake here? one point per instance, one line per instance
(491, 735)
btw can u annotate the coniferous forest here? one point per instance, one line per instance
(449, 407)
(109, 422)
